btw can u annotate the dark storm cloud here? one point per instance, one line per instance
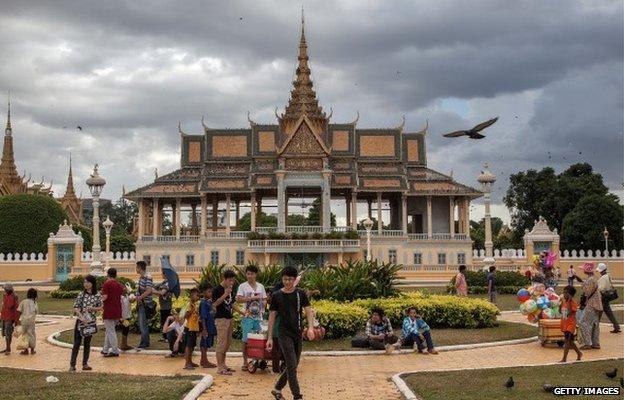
(129, 71)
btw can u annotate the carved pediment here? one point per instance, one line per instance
(303, 142)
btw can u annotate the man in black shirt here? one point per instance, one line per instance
(288, 303)
(223, 301)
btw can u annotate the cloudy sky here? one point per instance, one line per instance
(127, 72)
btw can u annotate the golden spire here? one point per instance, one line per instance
(69, 191)
(8, 170)
(303, 99)
(8, 129)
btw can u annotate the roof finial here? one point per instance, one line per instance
(8, 123)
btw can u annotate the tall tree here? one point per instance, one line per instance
(583, 226)
(532, 194)
(262, 219)
(314, 215)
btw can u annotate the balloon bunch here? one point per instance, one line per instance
(537, 302)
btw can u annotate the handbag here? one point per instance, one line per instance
(610, 294)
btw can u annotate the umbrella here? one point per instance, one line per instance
(172, 276)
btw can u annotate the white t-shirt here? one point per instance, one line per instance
(175, 325)
(254, 307)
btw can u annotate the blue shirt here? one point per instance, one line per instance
(207, 316)
(414, 326)
(490, 278)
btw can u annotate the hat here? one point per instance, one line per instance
(588, 268)
(602, 267)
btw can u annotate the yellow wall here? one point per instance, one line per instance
(15, 271)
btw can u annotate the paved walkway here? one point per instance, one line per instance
(352, 377)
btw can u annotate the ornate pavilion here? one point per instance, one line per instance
(192, 215)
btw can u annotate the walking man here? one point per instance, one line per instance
(608, 294)
(252, 295)
(288, 303)
(491, 282)
(145, 303)
(112, 291)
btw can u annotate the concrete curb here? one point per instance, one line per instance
(410, 395)
(53, 339)
(199, 388)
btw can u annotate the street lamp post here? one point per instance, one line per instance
(487, 179)
(605, 233)
(108, 225)
(96, 184)
(368, 225)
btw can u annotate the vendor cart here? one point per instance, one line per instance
(550, 332)
(257, 352)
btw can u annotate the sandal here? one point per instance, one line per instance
(24, 352)
(208, 365)
(224, 372)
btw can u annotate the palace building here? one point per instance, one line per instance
(194, 215)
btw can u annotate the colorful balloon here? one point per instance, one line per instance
(523, 295)
(530, 306)
(548, 313)
(542, 302)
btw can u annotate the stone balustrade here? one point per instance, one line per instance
(563, 255)
(23, 257)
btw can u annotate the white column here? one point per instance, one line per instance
(429, 222)
(227, 214)
(452, 216)
(281, 200)
(156, 219)
(354, 210)
(253, 211)
(488, 226)
(379, 222)
(467, 216)
(204, 213)
(404, 213)
(178, 215)
(326, 202)
(141, 222)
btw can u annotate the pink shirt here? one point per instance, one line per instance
(460, 285)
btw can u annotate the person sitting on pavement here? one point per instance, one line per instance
(379, 330)
(416, 332)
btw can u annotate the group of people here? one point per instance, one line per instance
(20, 315)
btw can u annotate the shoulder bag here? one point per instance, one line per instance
(610, 294)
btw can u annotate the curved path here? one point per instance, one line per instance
(321, 377)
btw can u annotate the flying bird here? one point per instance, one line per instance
(79, 127)
(611, 374)
(474, 132)
(510, 383)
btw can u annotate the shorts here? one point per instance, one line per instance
(190, 338)
(569, 335)
(206, 342)
(249, 325)
(7, 328)
(224, 334)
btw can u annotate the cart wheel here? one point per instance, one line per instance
(262, 364)
(560, 343)
(252, 366)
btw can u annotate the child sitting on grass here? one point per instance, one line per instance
(192, 328)
(174, 331)
(416, 332)
(208, 327)
(568, 322)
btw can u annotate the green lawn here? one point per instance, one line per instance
(508, 302)
(488, 384)
(441, 337)
(18, 384)
(49, 305)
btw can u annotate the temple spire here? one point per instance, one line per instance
(8, 130)
(69, 191)
(8, 170)
(303, 99)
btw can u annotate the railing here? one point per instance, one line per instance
(418, 236)
(266, 229)
(303, 244)
(437, 236)
(383, 233)
(429, 268)
(169, 239)
(304, 229)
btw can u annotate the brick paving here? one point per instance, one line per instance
(348, 377)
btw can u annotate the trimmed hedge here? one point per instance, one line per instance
(26, 222)
(75, 283)
(64, 294)
(344, 319)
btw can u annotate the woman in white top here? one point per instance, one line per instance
(27, 311)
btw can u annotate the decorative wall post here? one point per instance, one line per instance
(487, 179)
(96, 184)
(108, 226)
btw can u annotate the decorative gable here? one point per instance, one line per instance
(303, 142)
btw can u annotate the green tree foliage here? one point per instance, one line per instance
(314, 215)
(477, 231)
(26, 222)
(87, 236)
(533, 193)
(262, 219)
(583, 226)
(121, 243)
